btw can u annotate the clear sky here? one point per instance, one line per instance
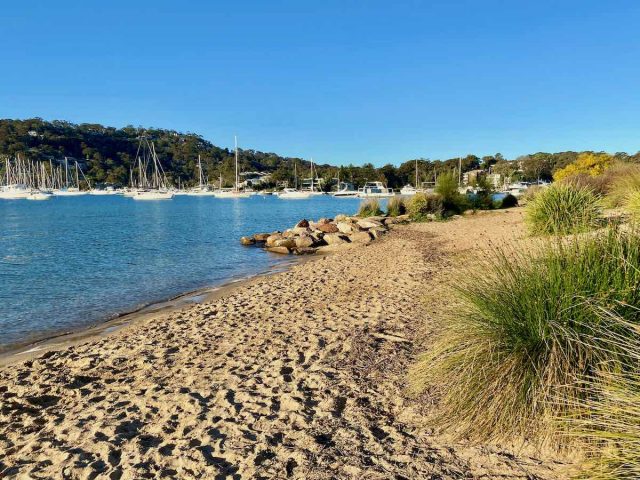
(338, 80)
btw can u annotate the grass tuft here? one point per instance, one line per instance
(396, 206)
(524, 330)
(369, 208)
(632, 205)
(425, 206)
(563, 209)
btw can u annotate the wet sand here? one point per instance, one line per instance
(299, 375)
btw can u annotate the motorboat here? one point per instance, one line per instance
(375, 190)
(292, 193)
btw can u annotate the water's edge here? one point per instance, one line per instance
(52, 340)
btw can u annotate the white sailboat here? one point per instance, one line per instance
(409, 189)
(68, 190)
(153, 186)
(202, 190)
(313, 185)
(294, 193)
(235, 192)
(15, 186)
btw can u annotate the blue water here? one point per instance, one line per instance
(72, 261)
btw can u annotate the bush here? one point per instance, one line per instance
(453, 202)
(508, 201)
(369, 208)
(622, 180)
(587, 163)
(395, 207)
(524, 329)
(563, 209)
(423, 205)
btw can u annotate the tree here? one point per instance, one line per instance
(588, 163)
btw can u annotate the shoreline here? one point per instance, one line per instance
(299, 374)
(52, 340)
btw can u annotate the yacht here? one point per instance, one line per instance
(68, 190)
(39, 195)
(14, 192)
(375, 190)
(152, 181)
(292, 193)
(345, 190)
(234, 192)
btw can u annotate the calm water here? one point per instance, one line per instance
(69, 262)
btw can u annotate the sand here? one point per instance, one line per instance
(300, 374)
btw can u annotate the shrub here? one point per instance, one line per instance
(422, 205)
(523, 330)
(395, 207)
(531, 192)
(563, 209)
(622, 181)
(453, 202)
(587, 163)
(369, 208)
(508, 201)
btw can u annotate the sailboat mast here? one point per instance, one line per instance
(312, 189)
(416, 173)
(235, 137)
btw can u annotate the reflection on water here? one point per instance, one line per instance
(72, 261)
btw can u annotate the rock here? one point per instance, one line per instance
(345, 227)
(282, 250)
(361, 237)
(301, 230)
(335, 238)
(377, 232)
(368, 223)
(341, 218)
(304, 251)
(271, 239)
(304, 242)
(327, 228)
(261, 237)
(324, 221)
(304, 223)
(285, 242)
(288, 234)
(247, 240)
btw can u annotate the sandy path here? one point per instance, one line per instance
(296, 375)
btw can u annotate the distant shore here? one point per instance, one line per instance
(299, 374)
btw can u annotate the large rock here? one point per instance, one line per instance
(301, 230)
(281, 250)
(304, 241)
(304, 223)
(361, 237)
(285, 242)
(377, 232)
(304, 251)
(335, 238)
(324, 221)
(328, 228)
(341, 218)
(271, 239)
(247, 240)
(288, 234)
(261, 237)
(346, 227)
(369, 223)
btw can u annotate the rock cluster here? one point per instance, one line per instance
(306, 237)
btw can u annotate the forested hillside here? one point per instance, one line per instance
(106, 155)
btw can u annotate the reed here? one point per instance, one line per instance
(396, 206)
(524, 329)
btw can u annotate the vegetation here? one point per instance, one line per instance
(563, 208)
(425, 206)
(396, 206)
(453, 202)
(370, 208)
(587, 163)
(525, 329)
(508, 201)
(621, 181)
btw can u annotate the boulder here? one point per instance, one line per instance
(304, 241)
(377, 232)
(361, 237)
(288, 234)
(271, 239)
(247, 240)
(281, 250)
(304, 251)
(324, 221)
(345, 227)
(301, 230)
(341, 218)
(261, 237)
(304, 223)
(369, 223)
(327, 228)
(335, 238)
(285, 242)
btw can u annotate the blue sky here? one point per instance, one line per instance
(339, 81)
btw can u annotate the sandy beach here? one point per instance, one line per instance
(300, 374)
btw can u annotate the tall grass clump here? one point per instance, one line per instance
(563, 209)
(425, 206)
(396, 206)
(453, 202)
(370, 208)
(523, 330)
(622, 180)
(632, 205)
(607, 420)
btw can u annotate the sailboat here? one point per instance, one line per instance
(313, 189)
(408, 189)
(294, 193)
(15, 186)
(202, 190)
(68, 190)
(235, 192)
(154, 186)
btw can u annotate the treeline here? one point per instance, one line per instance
(106, 155)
